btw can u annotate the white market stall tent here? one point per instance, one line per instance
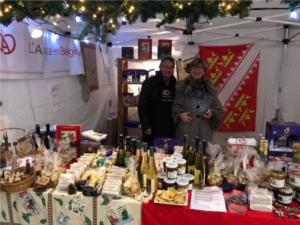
(59, 99)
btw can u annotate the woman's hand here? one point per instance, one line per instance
(208, 114)
(185, 117)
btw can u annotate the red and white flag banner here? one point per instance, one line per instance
(234, 71)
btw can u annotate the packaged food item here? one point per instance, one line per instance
(298, 194)
(260, 199)
(169, 183)
(285, 195)
(171, 197)
(165, 161)
(294, 178)
(182, 184)
(160, 180)
(172, 170)
(190, 178)
(277, 179)
(181, 166)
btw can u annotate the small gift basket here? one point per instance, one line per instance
(17, 158)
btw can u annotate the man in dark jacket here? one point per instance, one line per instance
(156, 101)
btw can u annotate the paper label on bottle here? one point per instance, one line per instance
(197, 177)
(191, 169)
(202, 180)
(172, 174)
(144, 181)
(151, 186)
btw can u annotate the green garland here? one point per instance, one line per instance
(101, 17)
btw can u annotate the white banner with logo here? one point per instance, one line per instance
(22, 57)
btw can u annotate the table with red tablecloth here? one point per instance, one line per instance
(153, 213)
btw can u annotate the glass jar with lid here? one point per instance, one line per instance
(182, 184)
(285, 195)
(169, 183)
(277, 179)
(171, 170)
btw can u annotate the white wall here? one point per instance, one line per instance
(27, 102)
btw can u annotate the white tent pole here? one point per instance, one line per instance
(278, 113)
(249, 20)
(221, 26)
(250, 33)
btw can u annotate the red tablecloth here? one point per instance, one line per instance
(153, 214)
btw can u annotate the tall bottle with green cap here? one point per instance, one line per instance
(185, 149)
(198, 159)
(192, 155)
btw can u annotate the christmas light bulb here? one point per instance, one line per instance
(78, 19)
(228, 7)
(82, 8)
(94, 16)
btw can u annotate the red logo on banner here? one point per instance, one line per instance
(235, 63)
(223, 61)
(8, 43)
(240, 108)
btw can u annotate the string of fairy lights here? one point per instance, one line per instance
(102, 18)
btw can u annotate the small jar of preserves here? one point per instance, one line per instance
(190, 178)
(181, 166)
(182, 184)
(298, 194)
(294, 178)
(172, 170)
(169, 183)
(160, 180)
(165, 161)
(277, 179)
(285, 195)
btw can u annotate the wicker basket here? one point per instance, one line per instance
(16, 137)
(18, 186)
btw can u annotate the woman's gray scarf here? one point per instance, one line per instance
(195, 87)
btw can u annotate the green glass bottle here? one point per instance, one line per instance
(121, 152)
(198, 160)
(192, 155)
(138, 158)
(127, 149)
(185, 149)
